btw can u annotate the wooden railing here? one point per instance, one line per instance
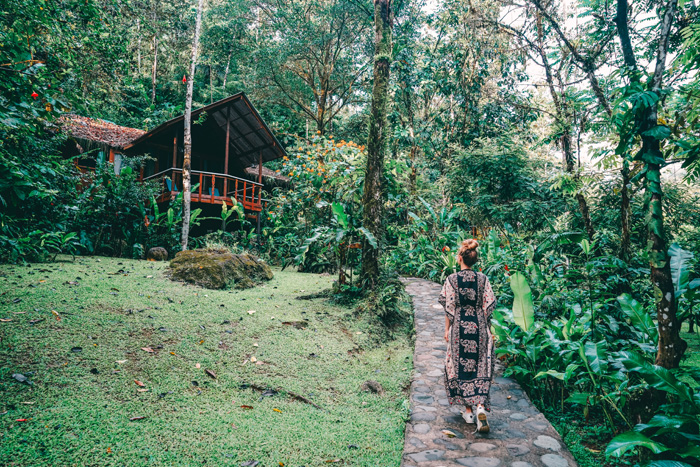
(213, 188)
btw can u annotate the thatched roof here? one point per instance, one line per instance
(100, 131)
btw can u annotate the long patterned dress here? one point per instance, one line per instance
(469, 301)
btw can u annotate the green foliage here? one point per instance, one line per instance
(671, 435)
(390, 304)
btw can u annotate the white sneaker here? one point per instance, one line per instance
(482, 424)
(468, 417)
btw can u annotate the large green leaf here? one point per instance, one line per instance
(523, 309)
(657, 376)
(680, 267)
(666, 464)
(630, 440)
(368, 235)
(638, 316)
(339, 212)
(595, 353)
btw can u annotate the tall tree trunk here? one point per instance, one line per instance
(373, 196)
(187, 140)
(155, 68)
(671, 346)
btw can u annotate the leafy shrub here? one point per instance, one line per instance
(390, 304)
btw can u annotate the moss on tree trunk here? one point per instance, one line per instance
(373, 197)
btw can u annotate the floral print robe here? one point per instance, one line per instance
(469, 301)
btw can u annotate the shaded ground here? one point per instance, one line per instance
(84, 368)
(437, 436)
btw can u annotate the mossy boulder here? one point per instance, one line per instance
(157, 254)
(218, 269)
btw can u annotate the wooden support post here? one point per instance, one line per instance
(200, 186)
(228, 132)
(260, 167)
(175, 150)
(213, 186)
(111, 155)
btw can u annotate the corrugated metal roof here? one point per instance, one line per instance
(249, 136)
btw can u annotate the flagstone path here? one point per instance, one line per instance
(520, 435)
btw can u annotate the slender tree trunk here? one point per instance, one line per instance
(625, 211)
(563, 118)
(187, 163)
(155, 68)
(373, 196)
(228, 65)
(138, 46)
(671, 346)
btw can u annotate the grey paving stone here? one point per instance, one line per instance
(554, 460)
(523, 403)
(520, 464)
(446, 444)
(423, 417)
(515, 433)
(429, 455)
(423, 398)
(482, 447)
(456, 419)
(537, 426)
(516, 450)
(479, 461)
(518, 416)
(502, 380)
(421, 428)
(547, 442)
(417, 443)
(426, 408)
(443, 402)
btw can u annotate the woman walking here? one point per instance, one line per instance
(468, 301)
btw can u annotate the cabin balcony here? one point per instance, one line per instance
(214, 188)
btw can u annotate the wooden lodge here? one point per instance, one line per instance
(230, 144)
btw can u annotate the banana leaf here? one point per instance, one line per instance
(523, 309)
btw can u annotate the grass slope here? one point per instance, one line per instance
(78, 410)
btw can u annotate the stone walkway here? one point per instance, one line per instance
(437, 436)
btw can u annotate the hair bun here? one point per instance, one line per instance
(470, 244)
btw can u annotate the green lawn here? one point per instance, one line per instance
(78, 410)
